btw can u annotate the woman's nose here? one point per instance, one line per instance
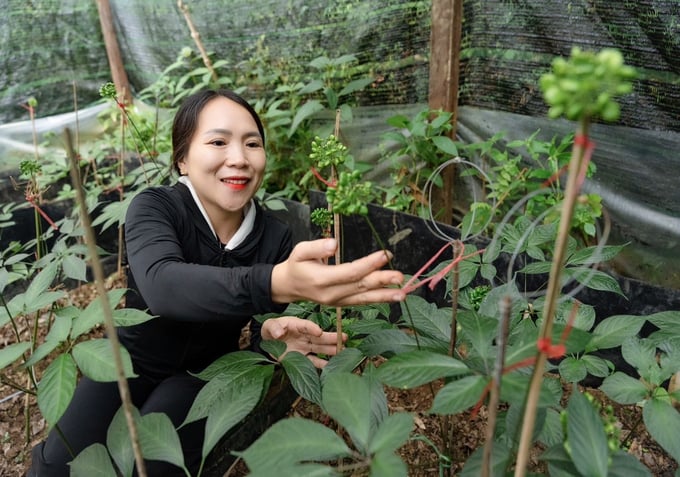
(236, 156)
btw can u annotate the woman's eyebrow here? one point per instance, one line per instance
(228, 132)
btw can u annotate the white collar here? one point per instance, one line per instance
(246, 226)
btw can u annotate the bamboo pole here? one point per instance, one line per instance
(118, 74)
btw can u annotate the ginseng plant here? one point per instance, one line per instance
(581, 88)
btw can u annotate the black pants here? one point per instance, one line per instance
(94, 404)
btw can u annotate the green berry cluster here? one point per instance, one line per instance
(322, 218)
(350, 196)
(328, 152)
(585, 85)
(108, 90)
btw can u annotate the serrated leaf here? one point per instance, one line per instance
(663, 421)
(95, 359)
(587, 439)
(595, 254)
(211, 393)
(43, 301)
(345, 361)
(459, 395)
(55, 389)
(383, 341)
(624, 389)
(275, 348)
(303, 376)
(345, 397)
(624, 464)
(572, 370)
(387, 464)
(118, 442)
(595, 280)
(11, 353)
(235, 404)
(159, 440)
(613, 331)
(291, 441)
(392, 433)
(93, 461)
(446, 145)
(499, 461)
(355, 85)
(130, 316)
(596, 366)
(239, 361)
(40, 283)
(307, 110)
(414, 368)
(427, 318)
(74, 267)
(93, 314)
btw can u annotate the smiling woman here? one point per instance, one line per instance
(204, 258)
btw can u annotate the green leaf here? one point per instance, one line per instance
(427, 318)
(234, 404)
(383, 341)
(75, 268)
(345, 361)
(11, 353)
(459, 395)
(308, 109)
(587, 439)
(130, 316)
(341, 394)
(93, 461)
(595, 254)
(624, 464)
(236, 361)
(666, 320)
(446, 145)
(95, 359)
(624, 389)
(355, 85)
(595, 280)
(55, 389)
(304, 377)
(291, 441)
(596, 366)
(379, 408)
(392, 433)
(612, 332)
(159, 440)
(414, 368)
(40, 283)
(572, 369)
(275, 348)
(559, 461)
(663, 421)
(479, 331)
(93, 314)
(211, 393)
(387, 464)
(500, 456)
(45, 300)
(641, 354)
(118, 441)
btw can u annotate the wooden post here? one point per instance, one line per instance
(118, 73)
(445, 38)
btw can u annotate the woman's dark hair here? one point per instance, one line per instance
(186, 120)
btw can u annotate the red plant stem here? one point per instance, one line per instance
(332, 183)
(410, 286)
(42, 212)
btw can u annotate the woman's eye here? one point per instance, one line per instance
(218, 142)
(254, 144)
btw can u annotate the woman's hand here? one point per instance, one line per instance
(304, 276)
(303, 336)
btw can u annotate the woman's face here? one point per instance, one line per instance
(225, 161)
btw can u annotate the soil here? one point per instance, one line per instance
(420, 455)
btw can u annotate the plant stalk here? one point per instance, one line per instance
(103, 296)
(572, 189)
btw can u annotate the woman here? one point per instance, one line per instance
(204, 257)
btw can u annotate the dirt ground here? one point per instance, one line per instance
(18, 408)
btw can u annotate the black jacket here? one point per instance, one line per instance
(203, 295)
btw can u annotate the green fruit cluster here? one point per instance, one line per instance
(350, 195)
(584, 86)
(328, 152)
